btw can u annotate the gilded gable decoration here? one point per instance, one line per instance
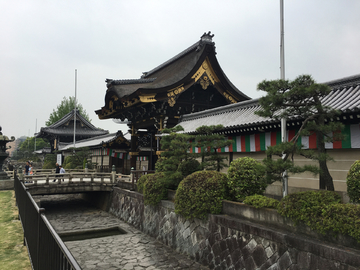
(173, 93)
(206, 68)
(204, 82)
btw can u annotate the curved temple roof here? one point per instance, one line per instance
(64, 128)
(179, 72)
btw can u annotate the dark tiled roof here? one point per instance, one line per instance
(170, 72)
(94, 141)
(345, 96)
(60, 128)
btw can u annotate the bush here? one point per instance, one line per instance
(48, 165)
(246, 177)
(189, 166)
(200, 193)
(322, 211)
(172, 179)
(307, 206)
(342, 218)
(141, 182)
(260, 201)
(155, 189)
(353, 182)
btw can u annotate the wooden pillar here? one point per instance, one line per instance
(133, 153)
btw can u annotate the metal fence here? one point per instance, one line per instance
(46, 249)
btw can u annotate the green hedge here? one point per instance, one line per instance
(201, 193)
(353, 182)
(246, 177)
(323, 212)
(155, 189)
(260, 201)
(141, 182)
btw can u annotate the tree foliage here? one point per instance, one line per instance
(301, 98)
(76, 160)
(26, 148)
(66, 106)
(177, 161)
(210, 141)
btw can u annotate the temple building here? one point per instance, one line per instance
(192, 90)
(252, 134)
(190, 82)
(62, 132)
(106, 150)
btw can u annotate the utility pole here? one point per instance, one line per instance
(282, 77)
(75, 109)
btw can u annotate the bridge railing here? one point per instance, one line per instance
(81, 177)
(45, 247)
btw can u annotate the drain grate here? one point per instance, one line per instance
(90, 234)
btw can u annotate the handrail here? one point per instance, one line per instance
(92, 176)
(46, 249)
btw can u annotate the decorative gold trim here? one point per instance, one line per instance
(204, 82)
(133, 153)
(229, 97)
(130, 103)
(206, 68)
(173, 93)
(146, 98)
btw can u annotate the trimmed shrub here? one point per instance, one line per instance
(260, 201)
(141, 182)
(307, 206)
(155, 189)
(322, 211)
(342, 218)
(353, 182)
(246, 177)
(48, 165)
(189, 166)
(200, 193)
(172, 179)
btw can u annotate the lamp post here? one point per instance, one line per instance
(3, 155)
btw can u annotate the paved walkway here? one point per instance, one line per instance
(133, 250)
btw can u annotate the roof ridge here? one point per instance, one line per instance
(206, 38)
(68, 117)
(351, 80)
(218, 110)
(128, 81)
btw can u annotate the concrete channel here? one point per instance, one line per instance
(101, 241)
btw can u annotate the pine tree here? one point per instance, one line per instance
(301, 98)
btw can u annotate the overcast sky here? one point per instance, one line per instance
(43, 42)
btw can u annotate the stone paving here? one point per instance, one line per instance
(133, 250)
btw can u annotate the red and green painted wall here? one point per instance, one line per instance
(260, 141)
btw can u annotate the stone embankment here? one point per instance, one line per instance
(228, 242)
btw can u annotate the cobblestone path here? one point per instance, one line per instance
(133, 250)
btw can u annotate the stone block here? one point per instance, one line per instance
(285, 261)
(259, 255)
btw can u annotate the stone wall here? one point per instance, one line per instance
(225, 242)
(6, 184)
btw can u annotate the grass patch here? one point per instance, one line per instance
(13, 254)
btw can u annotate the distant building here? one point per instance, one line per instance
(62, 132)
(106, 151)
